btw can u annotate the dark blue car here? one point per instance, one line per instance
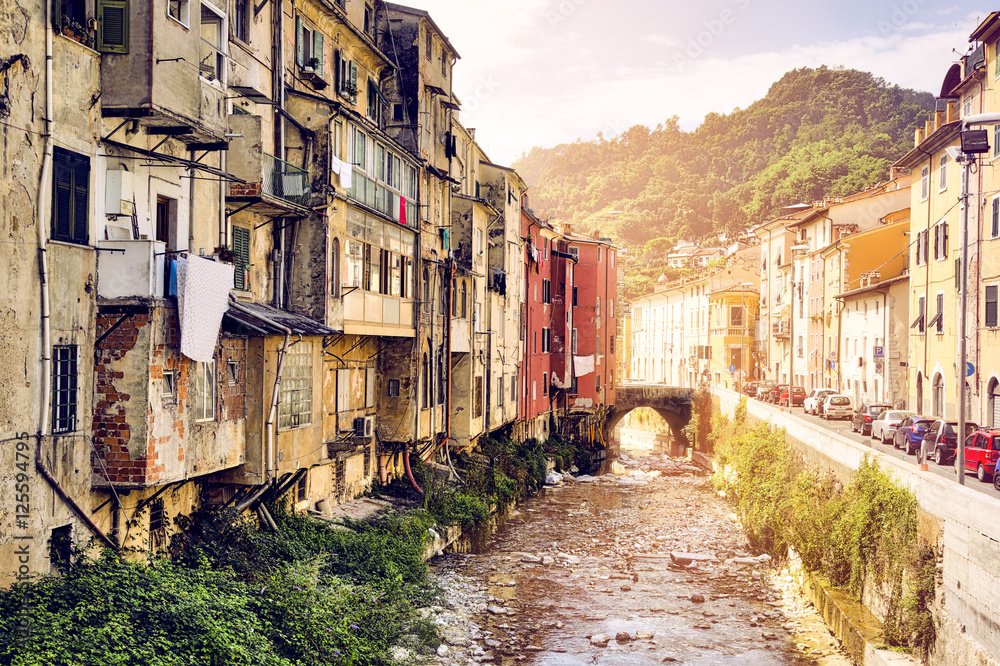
(910, 433)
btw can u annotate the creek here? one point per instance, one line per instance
(645, 564)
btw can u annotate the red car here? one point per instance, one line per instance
(798, 396)
(982, 448)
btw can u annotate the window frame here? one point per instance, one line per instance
(991, 322)
(65, 388)
(205, 395)
(221, 51)
(296, 378)
(943, 173)
(69, 168)
(925, 182)
(184, 12)
(240, 25)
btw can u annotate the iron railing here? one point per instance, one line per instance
(286, 181)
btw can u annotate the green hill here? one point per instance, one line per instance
(817, 132)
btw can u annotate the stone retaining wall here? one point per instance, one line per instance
(968, 522)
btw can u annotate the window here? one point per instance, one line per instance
(995, 216)
(374, 106)
(241, 20)
(179, 10)
(335, 268)
(397, 113)
(513, 391)
(309, 50)
(943, 174)
(925, 182)
(204, 408)
(425, 384)
(921, 247)
(479, 242)
(61, 547)
(597, 383)
(996, 138)
(918, 323)
(940, 241)
(611, 307)
(573, 387)
(241, 257)
(545, 383)
(369, 20)
(169, 393)
(347, 77)
(575, 294)
(157, 526)
(500, 391)
(546, 333)
(937, 395)
(64, 380)
(112, 24)
(478, 406)
(991, 306)
(574, 347)
(301, 488)
(546, 291)
(213, 46)
(429, 45)
(735, 316)
(295, 406)
(938, 322)
(232, 372)
(393, 389)
(597, 308)
(70, 196)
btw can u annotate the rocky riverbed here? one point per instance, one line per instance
(646, 565)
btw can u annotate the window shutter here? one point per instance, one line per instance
(81, 198)
(241, 256)
(958, 274)
(318, 52)
(944, 240)
(112, 26)
(996, 216)
(300, 46)
(369, 387)
(338, 77)
(354, 82)
(991, 307)
(62, 195)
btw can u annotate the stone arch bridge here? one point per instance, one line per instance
(675, 405)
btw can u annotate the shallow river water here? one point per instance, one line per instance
(583, 573)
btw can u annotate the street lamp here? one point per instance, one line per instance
(791, 326)
(974, 142)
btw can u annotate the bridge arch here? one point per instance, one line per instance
(673, 404)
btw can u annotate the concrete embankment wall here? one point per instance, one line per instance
(969, 533)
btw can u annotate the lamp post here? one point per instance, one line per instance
(791, 326)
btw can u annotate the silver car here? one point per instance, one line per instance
(838, 406)
(884, 427)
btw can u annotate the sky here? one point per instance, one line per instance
(545, 72)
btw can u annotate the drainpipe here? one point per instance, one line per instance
(43, 277)
(269, 470)
(431, 375)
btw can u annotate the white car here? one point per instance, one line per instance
(838, 406)
(884, 427)
(814, 399)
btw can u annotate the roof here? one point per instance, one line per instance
(412, 11)
(874, 287)
(257, 324)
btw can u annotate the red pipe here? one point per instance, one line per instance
(409, 472)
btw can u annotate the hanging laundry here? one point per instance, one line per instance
(336, 164)
(202, 298)
(583, 365)
(346, 173)
(402, 211)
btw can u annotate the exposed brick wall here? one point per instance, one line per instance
(111, 431)
(166, 357)
(231, 397)
(244, 190)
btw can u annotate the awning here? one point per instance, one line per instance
(378, 92)
(436, 90)
(241, 323)
(451, 105)
(442, 174)
(179, 161)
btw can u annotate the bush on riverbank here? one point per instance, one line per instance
(863, 538)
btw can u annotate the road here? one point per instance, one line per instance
(947, 471)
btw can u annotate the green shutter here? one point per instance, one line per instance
(241, 256)
(112, 26)
(62, 195)
(300, 47)
(318, 53)
(354, 82)
(81, 198)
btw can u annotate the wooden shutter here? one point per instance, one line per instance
(300, 46)
(62, 195)
(338, 78)
(354, 82)
(241, 256)
(112, 26)
(318, 53)
(81, 198)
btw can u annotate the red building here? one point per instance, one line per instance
(568, 328)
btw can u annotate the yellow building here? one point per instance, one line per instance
(733, 314)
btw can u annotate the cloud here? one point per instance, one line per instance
(659, 40)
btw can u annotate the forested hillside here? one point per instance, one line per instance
(816, 132)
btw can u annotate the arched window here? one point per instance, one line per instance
(425, 383)
(335, 268)
(938, 395)
(920, 394)
(465, 310)
(454, 299)
(993, 411)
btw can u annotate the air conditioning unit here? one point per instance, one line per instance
(369, 426)
(359, 426)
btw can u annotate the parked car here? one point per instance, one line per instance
(910, 433)
(982, 448)
(750, 389)
(813, 400)
(941, 439)
(861, 420)
(763, 389)
(776, 392)
(798, 396)
(837, 406)
(884, 426)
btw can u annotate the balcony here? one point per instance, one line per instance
(131, 269)
(272, 186)
(286, 181)
(779, 329)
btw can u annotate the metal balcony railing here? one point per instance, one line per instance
(286, 181)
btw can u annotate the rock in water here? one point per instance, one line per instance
(600, 640)
(623, 637)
